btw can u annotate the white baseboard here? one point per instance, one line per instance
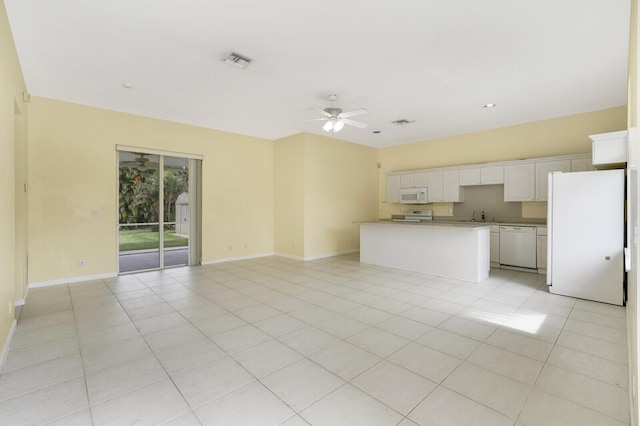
(320, 256)
(232, 259)
(287, 255)
(324, 256)
(290, 256)
(7, 344)
(72, 280)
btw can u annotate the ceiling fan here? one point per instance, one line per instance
(141, 162)
(336, 118)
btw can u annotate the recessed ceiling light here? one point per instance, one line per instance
(489, 105)
(127, 85)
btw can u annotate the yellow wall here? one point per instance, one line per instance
(340, 187)
(13, 163)
(558, 136)
(72, 171)
(289, 195)
(322, 186)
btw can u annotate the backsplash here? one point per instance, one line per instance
(489, 198)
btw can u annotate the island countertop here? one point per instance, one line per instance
(453, 250)
(463, 225)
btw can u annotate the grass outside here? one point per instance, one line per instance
(142, 239)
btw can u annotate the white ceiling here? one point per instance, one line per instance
(433, 61)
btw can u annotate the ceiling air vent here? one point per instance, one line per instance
(236, 59)
(402, 122)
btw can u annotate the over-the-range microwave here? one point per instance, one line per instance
(413, 195)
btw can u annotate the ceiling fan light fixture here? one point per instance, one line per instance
(333, 125)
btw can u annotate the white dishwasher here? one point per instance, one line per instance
(518, 246)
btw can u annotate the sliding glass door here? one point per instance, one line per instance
(176, 211)
(156, 222)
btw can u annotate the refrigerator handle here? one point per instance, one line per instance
(550, 229)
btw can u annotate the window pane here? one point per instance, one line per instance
(139, 188)
(176, 251)
(139, 247)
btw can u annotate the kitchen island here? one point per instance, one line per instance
(451, 250)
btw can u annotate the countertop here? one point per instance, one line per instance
(490, 223)
(452, 224)
(458, 223)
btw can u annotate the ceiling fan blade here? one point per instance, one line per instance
(325, 113)
(353, 113)
(315, 119)
(353, 123)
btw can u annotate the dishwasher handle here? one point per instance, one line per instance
(523, 229)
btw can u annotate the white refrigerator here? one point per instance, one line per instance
(585, 243)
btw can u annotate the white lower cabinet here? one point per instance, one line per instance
(541, 249)
(494, 245)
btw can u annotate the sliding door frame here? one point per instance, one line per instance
(195, 205)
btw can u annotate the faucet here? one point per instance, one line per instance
(482, 215)
(473, 218)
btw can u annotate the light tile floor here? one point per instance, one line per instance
(274, 341)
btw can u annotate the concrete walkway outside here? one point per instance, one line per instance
(138, 261)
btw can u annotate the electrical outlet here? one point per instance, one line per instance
(81, 263)
(230, 248)
(10, 308)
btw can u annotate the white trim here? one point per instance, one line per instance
(257, 256)
(290, 256)
(157, 152)
(232, 259)
(324, 256)
(72, 280)
(317, 257)
(21, 302)
(7, 344)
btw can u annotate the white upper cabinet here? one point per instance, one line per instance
(421, 180)
(469, 176)
(542, 172)
(407, 181)
(451, 190)
(519, 182)
(492, 175)
(524, 180)
(482, 175)
(434, 194)
(393, 189)
(414, 180)
(610, 148)
(582, 164)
